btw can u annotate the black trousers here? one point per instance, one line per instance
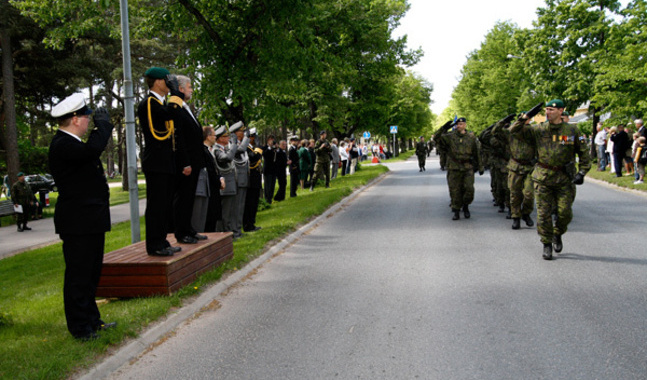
(251, 208)
(280, 193)
(294, 183)
(83, 260)
(159, 204)
(183, 204)
(270, 183)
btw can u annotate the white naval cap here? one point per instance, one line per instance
(73, 105)
(252, 131)
(237, 126)
(221, 131)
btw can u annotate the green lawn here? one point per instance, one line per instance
(624, 181)
(34, 342)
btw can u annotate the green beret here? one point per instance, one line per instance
(555, 103)
(156, 73)
(565, 113)
(20, 174)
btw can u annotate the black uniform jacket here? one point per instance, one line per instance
(188, 141)
(281, 162)
(255, 168)
(158, 155)
(293, 155)
(83, 197)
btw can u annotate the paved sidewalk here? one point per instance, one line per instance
(13, 242)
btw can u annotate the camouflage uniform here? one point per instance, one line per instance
(486, 157)
(500, 157)
(520, 165)
(421, 152)
(322, 163)
(557, 145)
(463, 158)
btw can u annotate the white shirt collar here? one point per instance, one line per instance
(71, 134)
(158, 96)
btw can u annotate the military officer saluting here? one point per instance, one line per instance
(555, 174)
(463, 158)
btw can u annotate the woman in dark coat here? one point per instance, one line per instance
(304, 162)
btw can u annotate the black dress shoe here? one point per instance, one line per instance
(199, 237)
(162, 252)
(88, 338)
(548, 252)
(466, 212)
(106, 326)
(457, 215)
(529, 222)
(187, 240)
(557, 243)
(174, 249)
(26, 228)
(516, 223)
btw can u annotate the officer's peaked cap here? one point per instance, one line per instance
(73, 105)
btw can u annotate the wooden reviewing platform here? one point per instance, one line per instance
(130, 272)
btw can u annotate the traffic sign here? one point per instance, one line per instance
(367, 135)
(394, 129)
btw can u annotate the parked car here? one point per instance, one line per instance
(38, 182)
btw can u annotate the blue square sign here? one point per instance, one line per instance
(394, 129)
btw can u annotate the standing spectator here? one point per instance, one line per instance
(281, 164)
(335, 158)
(82, 215)
(189, 164)
(216, 182)
(634, 157)
(6, 188)
(601, 143)
(21, 195)
(640, 161)
(609, 150)
(293, 164)
(304, 162)
(343, 156)
(313, 158)
(353, 154)
(640, 128)
(255, 156)
(239, 142)
(209, 184)
(620, 146)
(269, 168)
(225, 164)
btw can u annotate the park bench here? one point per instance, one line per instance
(6, 208)
(130, 272)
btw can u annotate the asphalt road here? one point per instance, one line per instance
(391, 288)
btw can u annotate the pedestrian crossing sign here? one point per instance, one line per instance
(394, 129)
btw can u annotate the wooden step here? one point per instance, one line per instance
(130, 272)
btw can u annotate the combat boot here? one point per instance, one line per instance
(516, 223)
(548, 251)
(508, 215)
(526, 218)
(457, 215)
(20, 227)
(557, 243)
(466, 212)
(501, 208)
(25, 228)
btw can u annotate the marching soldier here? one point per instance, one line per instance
(555, 174)
(500, 155)
(422, 153)
(322, 162)
(463, 158)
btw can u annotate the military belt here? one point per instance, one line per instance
(550, 167)
(523, 162)
(461, 161)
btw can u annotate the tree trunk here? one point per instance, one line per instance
(9, 103)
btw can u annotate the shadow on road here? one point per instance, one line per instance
(616, 260)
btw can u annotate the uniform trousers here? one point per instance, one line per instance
(199, 214)
(251, 208)
(280, 193)
(294, 182)
(228, 222)
(23, 218)
(461, 187)
(241, 193)
(548, 196)
(159, 203)
(522, 197)
(322, 169)
(183, 204)
(83, 261)
(502, 191)
(421, 161)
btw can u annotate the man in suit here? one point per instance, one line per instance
(269, 168)
(293, 164)
(280, 164)
(640, 128)
(156, 120)
(82, 215)
(255, 156)
(189, 162)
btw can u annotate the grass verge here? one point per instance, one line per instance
(34, 341)
(624, 181)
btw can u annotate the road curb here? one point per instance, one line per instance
(616, 187)
(160, 330)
